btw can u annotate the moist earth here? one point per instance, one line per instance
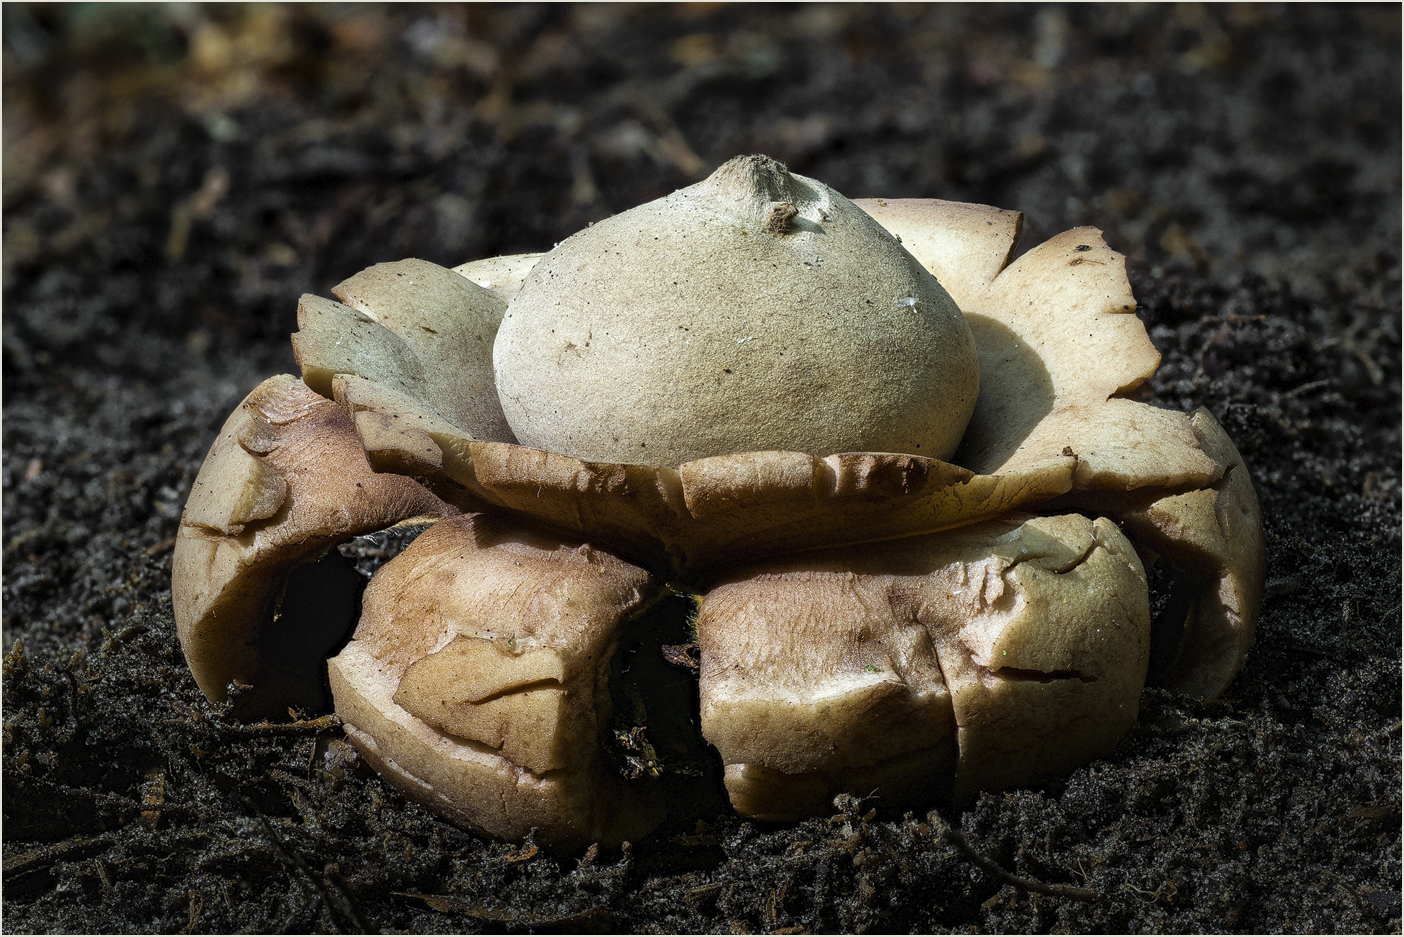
(176, 175)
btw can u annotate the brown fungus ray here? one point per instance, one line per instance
(285, 480)
(993, 656)
(477, 681)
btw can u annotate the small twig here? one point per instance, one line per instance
(573, 923)
(1311, 385)
(159, 547)
(274, 729)
(44, 856)
(319, 883)
(989, 867)
(1363, 906)
(115, 800)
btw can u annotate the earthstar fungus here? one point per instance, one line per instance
(898, 475)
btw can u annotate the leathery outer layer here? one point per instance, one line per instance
(868, 622)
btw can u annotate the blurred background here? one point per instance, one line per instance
(175, 175)
(190, 169)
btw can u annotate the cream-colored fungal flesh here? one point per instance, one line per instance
(988, 657)
(1058, 341)
(500, 275)
(399, 433)
(1217, 534)
(725, 509)
(285, 479)
(416, 328)
(1213, 539)
(333, 339)
(765, 504)
(965, 246)
(478, 679)
(1059, 332)
(755, 310)
(1058, 682)
(813, 684)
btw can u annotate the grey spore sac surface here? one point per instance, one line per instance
(175, 177)
(756, 310)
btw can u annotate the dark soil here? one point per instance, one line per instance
(174, 176)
